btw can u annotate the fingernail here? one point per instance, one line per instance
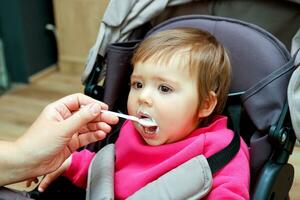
(95, 108)
(40, 189)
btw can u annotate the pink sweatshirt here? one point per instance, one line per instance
(144, 163)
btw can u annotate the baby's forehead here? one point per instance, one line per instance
(179, 59)
(167, 64)
(158, 68)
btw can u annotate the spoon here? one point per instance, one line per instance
(144, 122)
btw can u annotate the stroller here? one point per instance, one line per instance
(257, 94)
(262, 67)
(258, 107)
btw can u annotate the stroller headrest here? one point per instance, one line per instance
(261, 65)
(253, 51)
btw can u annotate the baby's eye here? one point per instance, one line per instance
(165, 89)
(136, 85)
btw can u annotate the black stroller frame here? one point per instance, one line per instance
(266, 122)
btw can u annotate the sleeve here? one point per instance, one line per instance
(78, 170)
(233, 180)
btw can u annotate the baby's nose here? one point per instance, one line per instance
(145, 97)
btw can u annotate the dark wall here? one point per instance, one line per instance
(28, 46)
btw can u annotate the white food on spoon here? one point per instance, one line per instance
(153, 127)
(147, 122)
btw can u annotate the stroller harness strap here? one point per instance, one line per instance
(190, 180)
(221, 158)
(100, 183)
(224, 156)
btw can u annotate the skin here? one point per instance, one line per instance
(168, 94)
(61, 128)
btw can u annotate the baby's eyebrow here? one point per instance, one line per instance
(161, 79)
(173, 82)
(157, 78)
(135, 76)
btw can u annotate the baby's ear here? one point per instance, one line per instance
(208, 105)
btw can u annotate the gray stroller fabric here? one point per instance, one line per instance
(191, 180)
(256, 72)
(261, 66)
(9, 194)
(294, 99)
(101, 175)
(294, 87)
(296, 46)
(118, 26)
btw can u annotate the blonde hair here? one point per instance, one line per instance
(198, 50)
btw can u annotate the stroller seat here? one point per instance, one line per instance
(258, 109)
(261, 69)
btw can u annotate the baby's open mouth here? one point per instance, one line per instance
(150, 126)
(151, 129)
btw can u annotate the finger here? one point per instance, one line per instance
(85, 100)
(36, 180)
(48, 179)
(95, 127)
(29, 181)
(83, 129)
(45, 183)
(106, 117)
(81, 118)
(109, 118)
(75, 101)
(90, 137)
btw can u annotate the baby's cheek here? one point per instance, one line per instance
(131, 109)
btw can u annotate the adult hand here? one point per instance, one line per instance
(49, 178)
(62, 127)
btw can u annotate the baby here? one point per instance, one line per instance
(180, 80)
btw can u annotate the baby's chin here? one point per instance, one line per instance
(153, 142)
(151, 136)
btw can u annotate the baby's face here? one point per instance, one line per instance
(169, 96)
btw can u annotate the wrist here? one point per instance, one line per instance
(27, 158)
(12, 164)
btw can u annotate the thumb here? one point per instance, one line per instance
(82, 117)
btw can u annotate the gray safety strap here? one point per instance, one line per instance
(218, 160)
(191, 180)
(101, 175)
